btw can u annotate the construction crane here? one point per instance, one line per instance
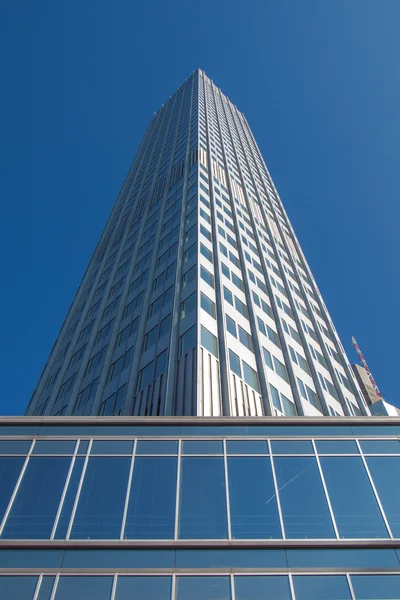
(366, 367)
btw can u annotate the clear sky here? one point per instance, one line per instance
(319, 82)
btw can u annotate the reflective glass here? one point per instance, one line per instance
(151, 508)
(203, 447)
(15, 446)
(253, 507)
(385, 472)
(68, 504)
(46, 588)
(380, 446)
(247, 447)
(292, 447)
(118, 559)
(343, 557)
(157, 447)
(112, 447)
(376, 587)
(17, 587)
(203, 588)
(84, 588)
(304, 505)
(36, 502)
(336, 447)
(36, 558)
(54, 447)
(83, 446)
(202, 499)
(230, 558)
(321, 587)
(354, 505)
(102, 499)
(143, 588)
(10, 468)
(262, 587)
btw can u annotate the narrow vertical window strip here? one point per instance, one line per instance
(71, 468)
(128, 489)
(326, 491)
(79, 490)
(178, 490)
(278, 500)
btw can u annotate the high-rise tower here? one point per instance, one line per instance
(198, 299)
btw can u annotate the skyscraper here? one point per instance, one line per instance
(198, 299)
(151, 464)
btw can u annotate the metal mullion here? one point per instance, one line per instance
(173, 586)
(79, 490)
(233, 592)
(228, 507)
(278, 501)
(290, 576)
(71, 468)
(55, 586)
(374, 490)
(178, 485)
(325, 490)
(128, 489)
(24, 466)
(350, 584)
(114, 586)
(37, 589)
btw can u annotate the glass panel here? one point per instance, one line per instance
(385, 473)
(380, 446)
(354, 505)
(157, 447)
(83, 446)
(321, 587)
(46, 588)
(254, 512)
(304, 506)
(143, 588)
(54, 447)
(17, 587)
(247, 447)
(203, 447)
(292, 447)
(10, 468)
(376, 587)
(337, 447)
(36, 503)
(344, 557)
(202, 501)
(102, 499)
(35, 559)
(85, 588)
(69, 499)
(250, 376)
(15, 446)
(151, 508)
(209, 341)
(112, 447)
(262, 587)
(118, 559)
(231, 558)
(203, 588)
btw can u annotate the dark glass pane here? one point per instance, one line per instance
(309, 430)
(143, 588)
(247, 447)
(202, 500)
(46, 588)
(262, 587)
(157, 447)
(118, 559)
(18, 430)
(84, 588)
(385, 473)
(15, 446)
(254, 512)
(343, 557)
(10, 468)
(36, 503)
(304, 506)
(151, 509)
(321, 587)
(380, 446)
(83, 446)
(375, 430)
(17, 587)
(112, 447)
(203, 588)
(337, 447)
(376, 587)
(54, 447)
(102, 499)
(230, 558)
(354, 505)
(27, 559)
(292, 447)
(203, 447)
(69, 499)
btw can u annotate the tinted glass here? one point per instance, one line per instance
(253, 508)
(304, 505)
(321, 587)
(46, 588)
(230, 558)
(102, 499)
(203, 588)
(157, 447)
(385, 473)
(202, 447)
(15, 446)
(247, 447)
(292, 447)
(36, 503)
(17, 588)
(54, 447)
(354, 505)
(112, 447)
(69, 499)
(376, 587)
(262, 587)
(83, 446)
(202, 500)
(118, 559)
(344, 557)
(10, 468)
(151, 508)
(85, 588)
(143, 588)
(336, 447)
(380, 446)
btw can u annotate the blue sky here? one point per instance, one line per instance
(319, 83)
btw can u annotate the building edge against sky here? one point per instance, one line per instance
(198, 299)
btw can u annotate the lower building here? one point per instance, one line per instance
(123, 508)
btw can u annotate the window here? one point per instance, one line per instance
(145, 376)
(231, 325)
(206, 252)
(280, 369)
(189, 276)
(187, 341)
(150, 338)
(207, 305)
(206, 276)
(261, 326)
(273, 336)
(241, 307)
(234, 362)
(228, 295)
(188, 305)
(246, 339)
(250, 376)
(209, 341)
